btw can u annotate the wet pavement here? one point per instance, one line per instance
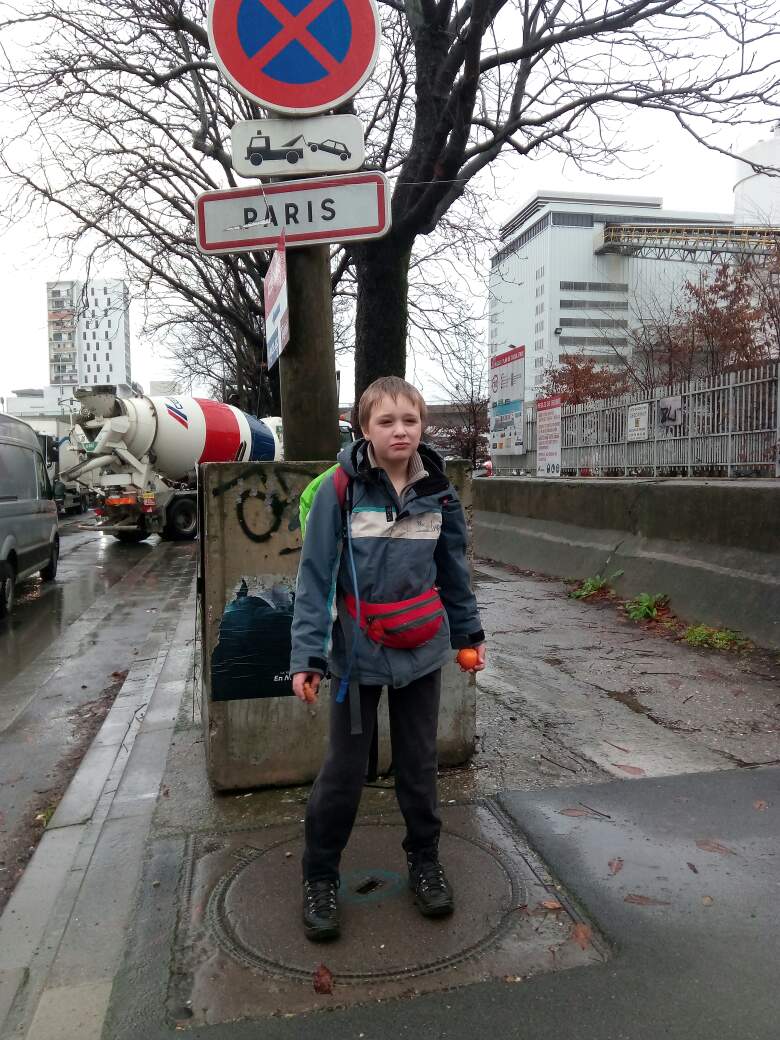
(237, 957)
(608, 841)
(66, 650)
(89, 565)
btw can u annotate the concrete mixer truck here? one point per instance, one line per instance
(142, 453)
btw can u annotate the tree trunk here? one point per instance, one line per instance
(381, 323)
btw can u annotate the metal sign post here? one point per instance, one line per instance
(299, 58)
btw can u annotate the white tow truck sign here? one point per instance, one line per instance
(353, 207)
(295, 147)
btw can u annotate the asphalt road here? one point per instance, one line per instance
(90, 564)
(64, 652)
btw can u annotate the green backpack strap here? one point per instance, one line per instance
(340, 480)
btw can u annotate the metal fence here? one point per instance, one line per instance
(723, 426)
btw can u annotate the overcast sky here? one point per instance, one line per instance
(686, 175)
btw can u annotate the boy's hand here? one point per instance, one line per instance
(305, 686)
(472, 658)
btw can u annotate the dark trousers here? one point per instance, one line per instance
(335, 796)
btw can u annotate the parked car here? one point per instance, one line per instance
(29, 534)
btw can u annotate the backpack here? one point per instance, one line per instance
(340, 483)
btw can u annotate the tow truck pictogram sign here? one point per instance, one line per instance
(296, 147)
(299, 57)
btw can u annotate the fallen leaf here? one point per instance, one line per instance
(714, 846)
(581, 934)
(577, 812)
(507, 978)
(759, 805)
(707, 900)
(631, 770)
(551, 904)
(693, 867)
(640, 900)
(615, 865)
(323, 979)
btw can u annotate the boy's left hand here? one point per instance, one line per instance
(478, 665)
(480, 658)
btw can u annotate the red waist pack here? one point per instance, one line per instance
(403, 625)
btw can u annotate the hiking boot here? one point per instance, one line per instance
(320, 910)
(432, 891)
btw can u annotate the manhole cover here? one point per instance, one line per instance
(254, 908)
(240, 950)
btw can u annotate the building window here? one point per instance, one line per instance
(604, 305)
(89, 368)
(589, 341)
(593, 323)
(108, 356)
(594, 286)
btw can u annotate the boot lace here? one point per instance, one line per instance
(430, 876)
(321, 897)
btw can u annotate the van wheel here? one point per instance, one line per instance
(49, 572)
(181, 520)
(7, 590)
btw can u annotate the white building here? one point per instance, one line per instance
(89, 332)
(757, 194)
(554, 294)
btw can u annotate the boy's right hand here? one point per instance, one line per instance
(305, 686)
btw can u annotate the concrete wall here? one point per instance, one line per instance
(712, 546)
(256, 733)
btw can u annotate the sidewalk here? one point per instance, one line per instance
(153, 907)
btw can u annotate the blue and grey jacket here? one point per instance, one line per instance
(402, 547)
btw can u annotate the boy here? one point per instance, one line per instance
(388, 555)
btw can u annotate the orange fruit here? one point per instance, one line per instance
(467, 658)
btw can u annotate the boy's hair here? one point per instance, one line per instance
(389, 386)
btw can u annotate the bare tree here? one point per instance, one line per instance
(465, 385)
(525, 77)
(459, 85)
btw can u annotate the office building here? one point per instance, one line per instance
(559, 286)
(89, 332)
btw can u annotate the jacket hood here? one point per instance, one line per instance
(354, 459)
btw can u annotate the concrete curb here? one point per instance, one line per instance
(716, 585)
(62, 933)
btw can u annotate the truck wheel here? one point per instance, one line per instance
(292, 158)
(7, 589)
(182, 519)
(256, 159)
(131, 537)
(49, 572)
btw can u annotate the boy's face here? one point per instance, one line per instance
(394, 429)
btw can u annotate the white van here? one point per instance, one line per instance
(29, 535)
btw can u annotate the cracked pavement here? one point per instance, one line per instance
(576, 692)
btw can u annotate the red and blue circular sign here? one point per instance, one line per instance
(295, 56)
